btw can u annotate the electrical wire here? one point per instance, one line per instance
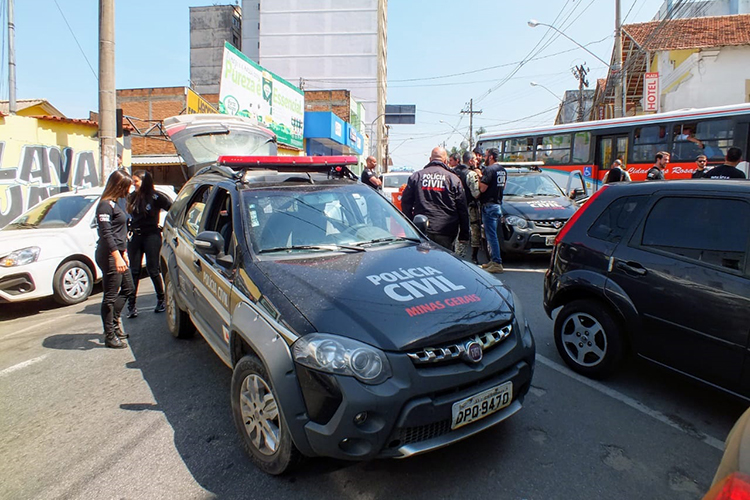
(76, 40)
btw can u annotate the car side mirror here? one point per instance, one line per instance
(209, 243)
(225, 260)
(577, 192)
(422, 223)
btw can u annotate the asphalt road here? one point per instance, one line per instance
(153, 421)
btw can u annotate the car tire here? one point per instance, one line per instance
(588, 338)
(72, 283)
(178, 321)
(264, 432)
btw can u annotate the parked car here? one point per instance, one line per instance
(660, 269)
(534, 210)
(49, 249)
(732, 478)
(392, 182)
(349, 334)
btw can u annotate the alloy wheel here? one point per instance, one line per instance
(584, 339)
(260, 414)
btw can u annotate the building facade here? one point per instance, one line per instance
(210, 27)
(324, 44)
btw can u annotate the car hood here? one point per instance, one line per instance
(540, 208)
(49, 240)
(394, 298)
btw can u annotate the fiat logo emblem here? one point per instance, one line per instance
(474, 351)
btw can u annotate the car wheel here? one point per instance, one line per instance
(72, 283)
(265, 436)
(178, 321)
(588, 338)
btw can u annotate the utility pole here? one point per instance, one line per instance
(580, 73)
(471, 114)
(107, 100)
(617, 67)
(11, 60)
(387, 133)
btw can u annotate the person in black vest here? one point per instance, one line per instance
(492, 186)
(369, 176)
(437, 193)
(656, 173)
(729, 170)
(144, 205)
(112, 257)
(700, 171)
(616, 173)
(470, 181)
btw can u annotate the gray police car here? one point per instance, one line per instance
(350, 335)
(534, 210)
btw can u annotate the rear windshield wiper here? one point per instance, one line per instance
(331, 248)
(389, 239)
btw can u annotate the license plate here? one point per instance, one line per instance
(549, 241)
(480, 405)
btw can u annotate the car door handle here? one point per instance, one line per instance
(175, 241)
(632, 267)
(197, 264)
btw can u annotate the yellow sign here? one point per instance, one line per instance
(197, 104)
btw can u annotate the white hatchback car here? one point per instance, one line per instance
(49, 249)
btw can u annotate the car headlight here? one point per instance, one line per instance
(519, 222)
(20, 257)
(342, 356)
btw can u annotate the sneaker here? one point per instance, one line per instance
(486, 265)
(494, 267)
(132, 312)
(160, 307)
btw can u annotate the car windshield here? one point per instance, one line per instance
(395, 180)
(530, 185)
(62, 211)
(322, 218)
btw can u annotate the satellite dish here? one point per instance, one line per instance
(464, 145)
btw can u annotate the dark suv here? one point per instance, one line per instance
(659, 268)
(349, 334)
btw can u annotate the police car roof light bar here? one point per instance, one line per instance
(298, 163)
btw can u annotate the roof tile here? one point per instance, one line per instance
(691, 33)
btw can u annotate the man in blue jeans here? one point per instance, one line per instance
(491, 187)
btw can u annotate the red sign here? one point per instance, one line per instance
(651, 92)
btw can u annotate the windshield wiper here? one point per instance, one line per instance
(390, 239)
(331, 248)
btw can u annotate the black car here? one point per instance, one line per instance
(350, 335)
(534, 210)
(660, 269)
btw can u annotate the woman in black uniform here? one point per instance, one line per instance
(112, 257)
(144, 205)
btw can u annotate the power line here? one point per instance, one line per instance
(76, 39)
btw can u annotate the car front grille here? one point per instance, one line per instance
(409, 435)
(455, 351)
(553, 224)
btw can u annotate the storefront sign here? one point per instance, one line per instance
(196, 104)
(247, 89)
(651, 92)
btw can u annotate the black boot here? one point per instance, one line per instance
(111, 341)
(475, 255)
(119, 332)
(160, 306)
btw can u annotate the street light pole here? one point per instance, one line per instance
(534, 23)
(534, 84)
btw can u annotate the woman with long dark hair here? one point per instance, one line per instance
(144, 205)
(112, 256)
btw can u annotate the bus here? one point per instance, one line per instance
(591, 147)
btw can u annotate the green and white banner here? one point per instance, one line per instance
(247, 89)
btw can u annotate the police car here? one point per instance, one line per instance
(350, 335)
(534, 210)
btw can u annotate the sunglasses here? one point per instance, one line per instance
(701, 161)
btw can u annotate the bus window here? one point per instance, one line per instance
(685, 144)
(647, 141)
(520, 149)
(716, 136)
(553, 149)
(581, 147)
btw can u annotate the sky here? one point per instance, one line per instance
(482, 41)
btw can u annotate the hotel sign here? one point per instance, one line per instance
(651, 92)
